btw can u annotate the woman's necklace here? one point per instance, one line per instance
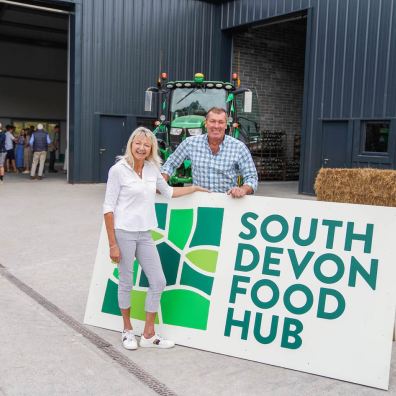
(139, 172)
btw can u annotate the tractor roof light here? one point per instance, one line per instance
(179, 84)
(169, 86)
(210, 85)
(228, 87)
(219, 85)
(164, 76)
(199, 77)
(187, 84)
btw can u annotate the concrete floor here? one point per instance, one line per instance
(49, 240)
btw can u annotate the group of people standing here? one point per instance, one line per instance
(27, 150)
(129, 207)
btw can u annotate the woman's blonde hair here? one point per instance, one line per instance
(153, 157)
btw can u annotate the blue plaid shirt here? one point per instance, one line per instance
(216, 172)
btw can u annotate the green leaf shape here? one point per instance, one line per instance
(135, 271)
(170, 260)
(190, 277)
(160, 211)
(180, 225)
(110, 300)
(184, 308)
(204, 259)
(116, 273)
(138, 298)
(208, 228)
(156, 235)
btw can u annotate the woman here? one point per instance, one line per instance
(19, 148)
(129, 214)
(27, 152)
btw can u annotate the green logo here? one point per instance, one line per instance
(187, 241)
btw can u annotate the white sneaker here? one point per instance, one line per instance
(156, 341)
(129, 340)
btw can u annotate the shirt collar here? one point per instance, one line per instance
(224, 142)
(124, 162)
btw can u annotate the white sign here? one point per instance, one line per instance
(299, 284)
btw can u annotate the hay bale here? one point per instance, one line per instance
(359, 186)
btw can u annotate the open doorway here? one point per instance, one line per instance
(34, 71)
(269, 59)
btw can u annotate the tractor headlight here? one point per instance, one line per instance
(176, 131)
(195, 131)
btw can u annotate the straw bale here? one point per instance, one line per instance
(359, 185)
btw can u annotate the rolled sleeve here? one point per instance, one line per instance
(112, 191)
(163, 187)
(248, 169)
(176, 158)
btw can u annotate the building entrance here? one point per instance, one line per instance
(269, 60)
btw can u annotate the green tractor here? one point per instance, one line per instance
(182, 107)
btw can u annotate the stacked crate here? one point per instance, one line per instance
(292, 166)
(269, 154)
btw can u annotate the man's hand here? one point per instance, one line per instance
(239, 192)
(165, 176)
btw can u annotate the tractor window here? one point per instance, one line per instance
(249, 122)
(196, 101)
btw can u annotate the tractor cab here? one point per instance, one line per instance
(182, 107)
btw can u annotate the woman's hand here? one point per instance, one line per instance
(180, 191)
(201, 189)
(115, 254)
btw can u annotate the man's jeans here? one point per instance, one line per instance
(38, 156)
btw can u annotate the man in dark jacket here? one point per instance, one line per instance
(39, 142)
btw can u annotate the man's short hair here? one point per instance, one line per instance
(216, 110)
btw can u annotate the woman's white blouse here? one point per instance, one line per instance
(131, 198)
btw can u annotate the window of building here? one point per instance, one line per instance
(376, 136)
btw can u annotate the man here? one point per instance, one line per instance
(39, 141)
(216, 158)
(9, 145)
(3, 152)
(52, 148)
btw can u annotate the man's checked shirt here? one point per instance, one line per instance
(216, 172)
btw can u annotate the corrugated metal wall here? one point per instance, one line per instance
(117, 46)
(350, 65)
(122, 43)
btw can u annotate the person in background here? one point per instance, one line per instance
(129, 215)
(39, 141)
(52, 148)
(27, 152)
(9, 145)
(3, 153)
(19, 150)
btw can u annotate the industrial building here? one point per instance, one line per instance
(324, 73)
